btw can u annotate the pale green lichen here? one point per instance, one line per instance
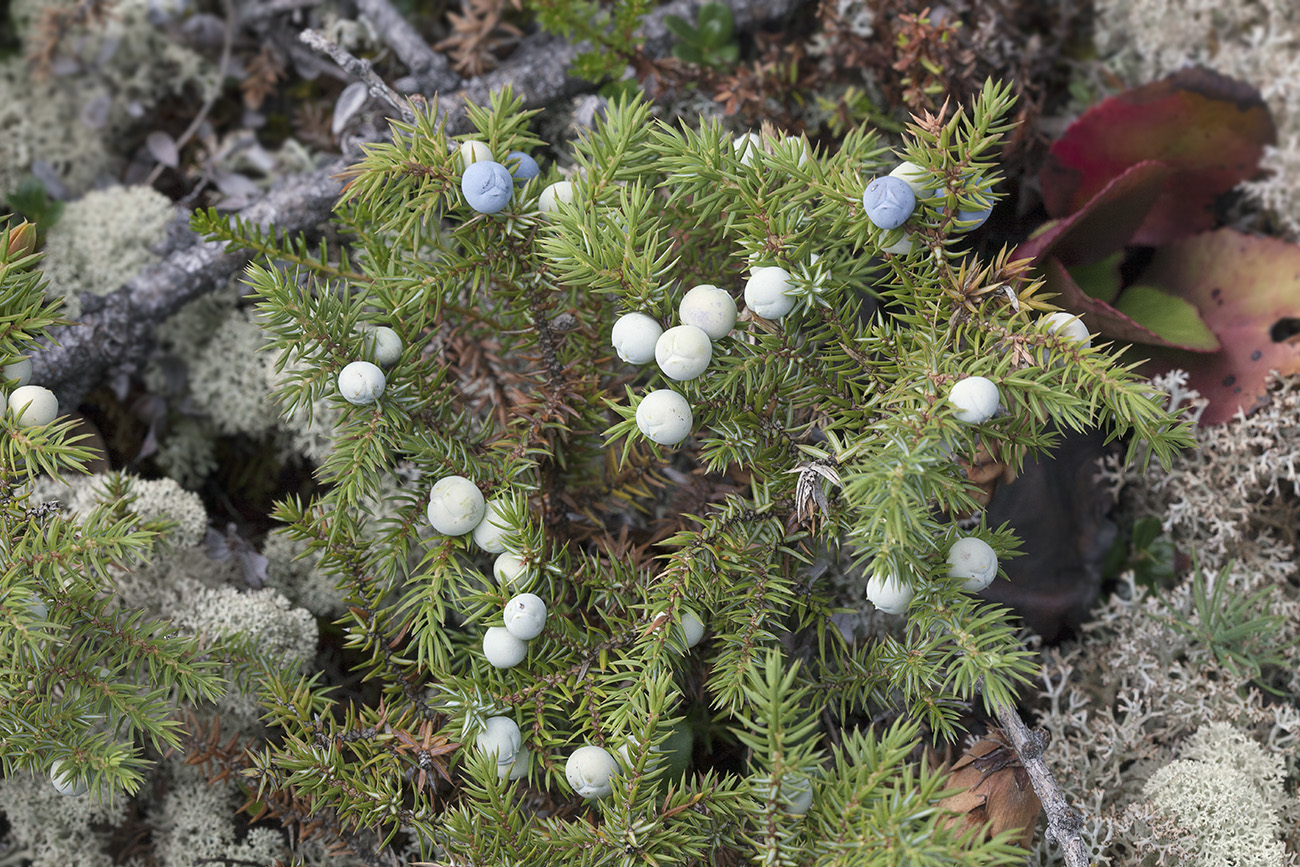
(102, 241)
(40, 120)
(164, 498)
(292, 568)
(47, 829)
(1225, 812)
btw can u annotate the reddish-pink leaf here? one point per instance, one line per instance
(1245, 288)
(1210, 129)
(1105, 223)
(1096, 231)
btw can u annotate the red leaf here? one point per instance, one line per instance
(1210, 129)
(1103, 224)
(1244, 287)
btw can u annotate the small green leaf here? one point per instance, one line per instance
(1171, 318)
(1100, 279)
(688, 54)
(680, 28)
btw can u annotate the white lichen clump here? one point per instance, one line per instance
(1223, 798)
(102, 241)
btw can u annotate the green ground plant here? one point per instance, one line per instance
(823, 436)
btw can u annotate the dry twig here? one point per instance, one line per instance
(359, 69)
(1064, 824)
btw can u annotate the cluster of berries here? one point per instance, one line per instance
(890, 202)
(457, 507)
(682, 352)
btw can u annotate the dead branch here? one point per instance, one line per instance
(360, 70)
(430, 70)
(1064, 824)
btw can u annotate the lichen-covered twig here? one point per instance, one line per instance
(360, 70)
(431, 70)
(1064, 824)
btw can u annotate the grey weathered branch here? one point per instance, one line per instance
(360, 70)
(116, 331)
(1064, 824)
(430, 70)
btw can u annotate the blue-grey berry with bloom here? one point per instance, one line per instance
(524, 169)
(969, 219)
(487, 186)
(889, 202)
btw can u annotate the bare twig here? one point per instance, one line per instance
(1064, 824)
(431, 71)
(360, 70)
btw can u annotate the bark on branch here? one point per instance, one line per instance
(1064, 824)
(115, 332)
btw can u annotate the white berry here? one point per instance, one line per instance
(796, 794)
(455, 506)
(549, 201)
(20, 370)
(974, 562)
(692, 628)
(473, 151)
(588, 771)
(917, 178)
(490, 534)
(888, 593)
(500, 738)
(634, 338)
(63, 783)
(768, 292)
(746, 146)
(382, 345)
(664, 417)
(33, 406)
(502, 649)
(710, 309)
(683, 352)
(525, 616)
(507, 567)
(975, 398)
(361, 383)
(518, 769)
(1070, 327)
(901, 247)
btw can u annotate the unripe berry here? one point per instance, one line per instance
(710, 309)
(361, 383)
(974, 562)
(976, 399)
(33, 406)
(634, 337)
(455, 506)
(589, 770)
(502, 649)
(525, 616)
(767, 292)
(683, 352)
(664, 417)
